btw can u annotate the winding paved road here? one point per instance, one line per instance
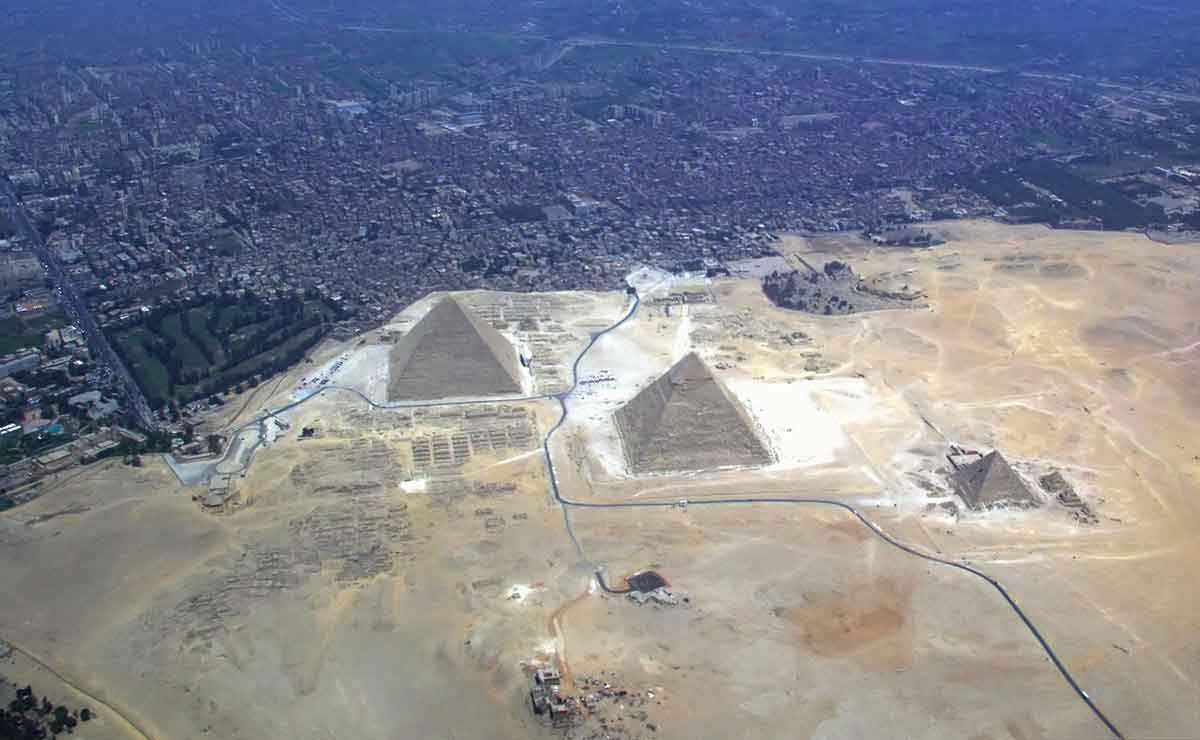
(567, 45)
(567, 504)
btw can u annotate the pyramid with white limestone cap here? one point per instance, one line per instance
(686, 420)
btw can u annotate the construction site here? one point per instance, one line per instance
(676, 510)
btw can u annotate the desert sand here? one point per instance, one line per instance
(398, 574)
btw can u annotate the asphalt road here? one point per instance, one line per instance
(77, 310)
(567, 505)
(574, 43)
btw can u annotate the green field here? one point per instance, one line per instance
(1082, 197)
(18, 333)
(238, 316)
(197, 323)
(195, 351)
(151, 374)
(189, 353)
(15, 336)
(252, 366)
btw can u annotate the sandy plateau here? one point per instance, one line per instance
(396, 574)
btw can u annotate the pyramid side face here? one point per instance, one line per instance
(685, 420)
(992, 481)
(638, 421)
(450, 354)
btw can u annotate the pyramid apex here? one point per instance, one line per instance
(448, 301)
(989, 481)
(689, 367)
(451, 353)
(686, 420)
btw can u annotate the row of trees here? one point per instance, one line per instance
(281, 320)
(277, 364)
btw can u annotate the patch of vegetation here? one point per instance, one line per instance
(189, 354)
(44, 322)
(521, 213)
(185, 352)
(258, 366)
(197, 327)
(141, 351)
(1026, 189)
(1089, 198)
(355, 77)
(18, 332)
(599, 55)
(27, 718)
(15, 336)
(835, 290)
(371, 63)
(228, 243)
(24, 332)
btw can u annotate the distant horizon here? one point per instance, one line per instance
(560, 370)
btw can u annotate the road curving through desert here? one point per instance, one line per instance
(567, 504)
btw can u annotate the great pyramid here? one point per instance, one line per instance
(685, 420)
(451, 353)
(991, 481)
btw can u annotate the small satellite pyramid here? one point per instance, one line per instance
(685, 420)
(991, 481)
(451, 353)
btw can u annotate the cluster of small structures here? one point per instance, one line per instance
(221, 497)
(359, 537)
(906, 237)
(411, 421)
(354, 534)
(834, 290)
(648, 587)
(445, 453)
(255, 572)
(682, 298)
(20, 480)
(601, 709)
(611, 709)
(365, 465)
(547, 699)
(988, 481)
(448, 491)
(531, 318)
(1056, 485)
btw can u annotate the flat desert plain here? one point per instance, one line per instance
(401, 571)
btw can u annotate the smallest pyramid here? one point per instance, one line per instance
(451, 353)
(991, 481)
(685, 421)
